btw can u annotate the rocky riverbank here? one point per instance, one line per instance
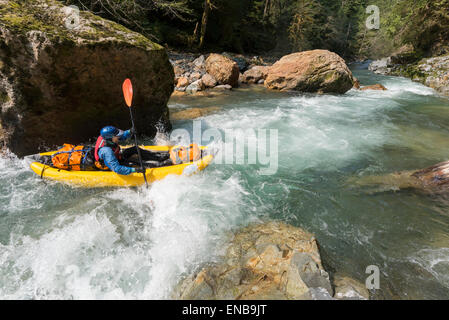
(318, 71)
(432, 72)
(270, 261)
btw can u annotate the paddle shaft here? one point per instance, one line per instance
(137, 147)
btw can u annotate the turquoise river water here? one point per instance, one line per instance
(61, 242)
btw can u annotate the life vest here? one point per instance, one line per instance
(70, 157)
(101, 142)
(185, 154)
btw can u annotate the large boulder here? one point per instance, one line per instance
(319, 71)
(61, 73)
(223, 69)
(263, 261)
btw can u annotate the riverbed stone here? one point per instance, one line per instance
(182, 82)
(255, 74)
(195, 86)
(193, 113)
(374, 87)
(223, 87)
(262, 261)
(209, 81)
(199, 63)
(58, 79)
(194, 76)
(223, 69)
(347, 288)
(318, 71)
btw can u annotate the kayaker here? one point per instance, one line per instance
(109, 156)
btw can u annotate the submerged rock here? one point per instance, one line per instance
(431, 180)
(263, 261)
(347, 288)
(193, 113)
(61, 71)
(319, 71)
(374, 87)
(223, 69)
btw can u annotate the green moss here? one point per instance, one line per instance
(4, 97)
(25, 16)
(411, 71)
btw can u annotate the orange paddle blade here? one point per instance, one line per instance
(128, 92)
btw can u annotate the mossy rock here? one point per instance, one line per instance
(66, 81)
(51, 17)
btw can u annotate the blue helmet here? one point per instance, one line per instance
(109, 132)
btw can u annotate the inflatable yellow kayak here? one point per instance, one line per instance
(91, 179)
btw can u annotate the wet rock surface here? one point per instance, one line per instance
(193, 113)
(374, 87)
(431, 180)
(264, 261)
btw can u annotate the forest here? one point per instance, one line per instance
(280, 26)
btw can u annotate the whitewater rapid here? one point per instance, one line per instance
(60, 242)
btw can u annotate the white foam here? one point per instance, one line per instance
(124, 243)
(435, 261)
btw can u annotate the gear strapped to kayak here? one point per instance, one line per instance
(71, 157)
(182, 154)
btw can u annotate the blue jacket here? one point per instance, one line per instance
(107, 155)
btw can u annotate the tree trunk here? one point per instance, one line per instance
(207, 7)
(347, 37)
(196, 33)
(265, 11)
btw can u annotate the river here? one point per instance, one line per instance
(61, 242)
